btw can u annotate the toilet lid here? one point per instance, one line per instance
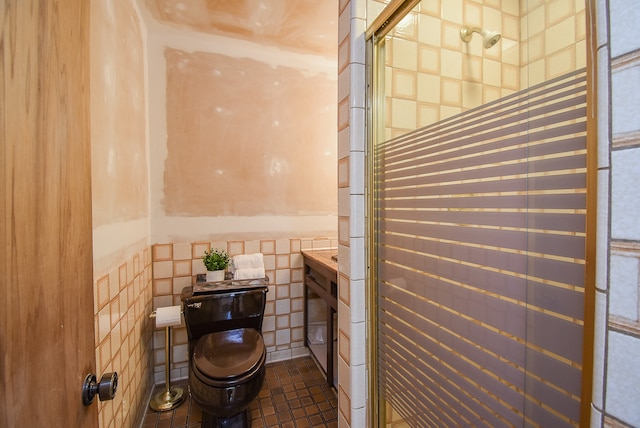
(228, 354)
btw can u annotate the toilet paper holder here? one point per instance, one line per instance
(170, 397)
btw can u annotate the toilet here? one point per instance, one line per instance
(227, 354)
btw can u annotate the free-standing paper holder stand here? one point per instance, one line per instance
(171, 397)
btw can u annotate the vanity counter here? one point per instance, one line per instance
(321, 283)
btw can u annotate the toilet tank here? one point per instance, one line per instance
(224, 307)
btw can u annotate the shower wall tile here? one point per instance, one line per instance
(472, 14)
(492, 17)
(404, 84)
(451, 63)
(451, 36)
(510, 77)
(428, 61)
(472, 70)
(552, 35)
(556, 36)
(404, 55)
(451, 90)
(428, 114)
(403, 113)
(510, 27)
(561, 62)
(441, 53)
(430, 30)
(473, 93)
(452, 10)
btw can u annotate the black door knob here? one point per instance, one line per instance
(106, 388)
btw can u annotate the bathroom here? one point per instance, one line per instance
(137, 155)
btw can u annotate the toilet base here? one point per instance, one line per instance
(241, 420)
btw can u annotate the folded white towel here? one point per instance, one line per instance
(246, 261)
(249, 273)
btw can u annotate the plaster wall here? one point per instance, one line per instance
(120, 201)
(243, 135)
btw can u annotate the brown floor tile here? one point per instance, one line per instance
(295, 395)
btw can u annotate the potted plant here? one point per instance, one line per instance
(216, 261)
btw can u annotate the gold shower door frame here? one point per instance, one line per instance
(393, 13)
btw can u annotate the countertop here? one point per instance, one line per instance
(323, 257)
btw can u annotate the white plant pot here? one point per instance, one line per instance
(215, 275)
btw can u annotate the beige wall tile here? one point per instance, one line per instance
(430, 30)
(405, 55)
(428, 114)
(428, 60)
(473, 14)
(452, 10)
(162, 252)
(403, 114)
(451, 92)
(404, 84)
(561, 62)
(451, 36)
(451, 63)
(560, 36)
(429, 88)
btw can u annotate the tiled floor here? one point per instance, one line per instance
(295, 395)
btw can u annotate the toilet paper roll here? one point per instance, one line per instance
(168, 316)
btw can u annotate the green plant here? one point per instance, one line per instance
(215, 259)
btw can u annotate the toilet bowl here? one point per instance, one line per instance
(227, 353)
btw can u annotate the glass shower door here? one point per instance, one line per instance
(479, 215)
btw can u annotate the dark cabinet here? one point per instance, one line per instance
(321, 309)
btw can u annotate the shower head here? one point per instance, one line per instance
(489, 38)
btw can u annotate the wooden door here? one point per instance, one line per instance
(47, 328)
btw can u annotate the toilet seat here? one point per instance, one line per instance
(227, 355)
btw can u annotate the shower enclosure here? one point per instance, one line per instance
(481, 209)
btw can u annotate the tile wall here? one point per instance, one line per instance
(175, 266)
(122, 305)
(617, 339)
(553, 35)
(432, 74)
(352, 327)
